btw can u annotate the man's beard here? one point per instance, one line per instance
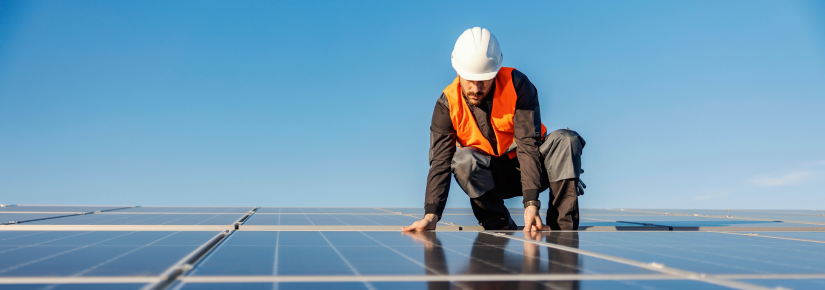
(475, 102)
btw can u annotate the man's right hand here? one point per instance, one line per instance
(427, 223)
(532, 220)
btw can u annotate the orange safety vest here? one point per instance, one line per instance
(501, 115)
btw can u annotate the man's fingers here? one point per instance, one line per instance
(418, 226)
(528, 224)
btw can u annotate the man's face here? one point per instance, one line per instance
(475, 91)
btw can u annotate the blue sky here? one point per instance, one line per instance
(684, 104)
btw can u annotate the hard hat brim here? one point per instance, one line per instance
(474, 77)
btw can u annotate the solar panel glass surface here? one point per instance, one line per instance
(189, 209)
(58, 208)
(813, 236)
(331, 219)
(320, 210)
(392, 253)
(22, 217)
(83, 253)
(447, 211)
(470, 220)
(693, 221)
(142, 219)
(796, 284)
(706, 252)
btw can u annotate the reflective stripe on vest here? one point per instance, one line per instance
(501, 115)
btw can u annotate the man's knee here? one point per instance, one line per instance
(561, 154)
(471, 169)
(564, 135)
(562, 138)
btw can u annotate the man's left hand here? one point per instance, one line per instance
(532, 220)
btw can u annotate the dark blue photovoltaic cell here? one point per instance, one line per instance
(320, 210)
(190, 209)
(706, 252)
(72, 286)
(331, 219)
(94, 253)
(551, 285)
(142, 219)
(58, 208)
(796, 284)
(370, 253)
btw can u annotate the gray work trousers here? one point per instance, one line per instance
(489, 180)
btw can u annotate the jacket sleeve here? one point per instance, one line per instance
(527, 133)
(442, 148)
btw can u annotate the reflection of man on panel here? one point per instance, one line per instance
(492, 113)
(498, 255)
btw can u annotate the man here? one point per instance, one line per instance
(492, 113)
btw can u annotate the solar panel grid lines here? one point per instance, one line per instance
(384, 259)
(711, 252)
(672, 255)
(650, 266)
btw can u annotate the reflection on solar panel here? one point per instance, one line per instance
(125, 247)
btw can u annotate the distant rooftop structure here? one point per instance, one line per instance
(155, 247)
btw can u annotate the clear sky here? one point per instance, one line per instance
(684, 104)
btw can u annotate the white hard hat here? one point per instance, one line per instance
(477, 56)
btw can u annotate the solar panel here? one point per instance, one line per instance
(143, 219)
(187, 209)
(704, 252)
(789, 283)
(58, 208)
(53, 247)
(13, 218)
(331, 219)
(83, 253)
(370, 253)
(807, 236)
(320, 210)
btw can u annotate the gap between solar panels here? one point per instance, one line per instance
(180, 268)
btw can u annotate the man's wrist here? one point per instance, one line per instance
(529, 203)
(432, 217)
